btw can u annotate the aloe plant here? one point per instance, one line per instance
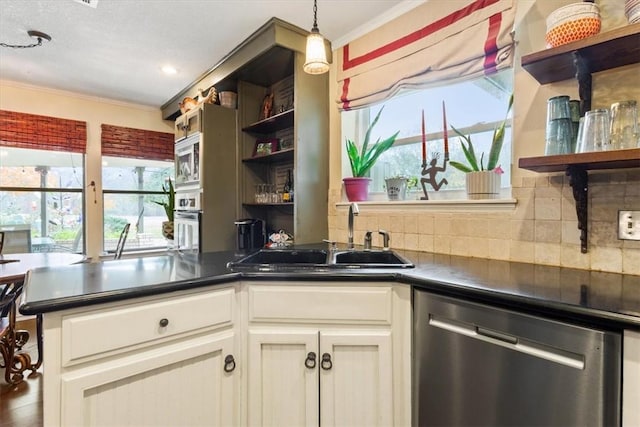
(494, 152)
(363, 159)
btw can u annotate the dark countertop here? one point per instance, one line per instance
(595, 298)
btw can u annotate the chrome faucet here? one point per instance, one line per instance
(353, 211)
(367, 240)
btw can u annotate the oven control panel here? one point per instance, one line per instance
(189, 201)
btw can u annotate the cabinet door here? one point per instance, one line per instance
(283, 391)
(356, 384)
(180, 384)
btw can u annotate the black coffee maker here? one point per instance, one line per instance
(251, 234)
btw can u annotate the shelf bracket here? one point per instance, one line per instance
(579, 181)
(583, 75)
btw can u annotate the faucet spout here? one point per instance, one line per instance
(353, 211)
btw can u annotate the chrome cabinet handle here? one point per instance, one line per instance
(164, 322)
(326, 362)
(310, 361)
(229, 363)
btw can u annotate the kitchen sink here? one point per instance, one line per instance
(369, 259)
(273, 259)
(318, 259)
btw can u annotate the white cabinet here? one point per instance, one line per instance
(185, 384)
(327, 354)
(342, 377)
(243, 354)
(282, 391)
(356, 378)
(152, 361)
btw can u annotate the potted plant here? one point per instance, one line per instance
(168, 205)
(362, 160)
(396, 187)
(482, 182)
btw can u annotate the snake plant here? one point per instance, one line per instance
(494, 153)
(363, 159)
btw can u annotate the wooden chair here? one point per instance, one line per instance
(122, 241)
(1, 240)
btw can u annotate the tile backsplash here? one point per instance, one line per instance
(542, 229)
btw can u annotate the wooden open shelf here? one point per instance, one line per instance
(274, 123)
(616, 159)
(603, 51)
(580, 59)
(278, 156)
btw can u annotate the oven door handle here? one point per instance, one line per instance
(185, 215)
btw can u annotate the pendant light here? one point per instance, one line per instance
(316, 62)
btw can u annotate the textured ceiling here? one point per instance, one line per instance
(116, 50)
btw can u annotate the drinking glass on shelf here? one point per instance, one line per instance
(559, 132)
(595, 134)
(580, 141)
(273, 195)
(624, 125)
(260, 193)
(574, 108)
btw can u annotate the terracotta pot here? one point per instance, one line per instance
(357, 189)
(483, 185)
(167, 230)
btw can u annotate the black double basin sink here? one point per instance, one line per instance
(318, 259)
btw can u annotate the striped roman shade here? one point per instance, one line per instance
(439, 41)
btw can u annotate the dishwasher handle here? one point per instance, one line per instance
(519, 344)
(501, 336)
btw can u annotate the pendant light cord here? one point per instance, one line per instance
(34, 34)
(315, 14)
(22, 46)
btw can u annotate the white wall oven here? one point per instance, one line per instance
(188, 232)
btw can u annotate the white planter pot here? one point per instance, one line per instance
(396, 188)
(483, 185)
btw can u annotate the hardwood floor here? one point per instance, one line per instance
(21, 405)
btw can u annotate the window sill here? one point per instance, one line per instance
(461, 205)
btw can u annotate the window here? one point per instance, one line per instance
(42, 191)
(130, 186)
(474, 107)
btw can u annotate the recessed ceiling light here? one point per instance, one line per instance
(168, 69)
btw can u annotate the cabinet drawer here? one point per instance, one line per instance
(108, 330)
(327, 304)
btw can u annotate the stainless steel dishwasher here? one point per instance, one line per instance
(478, 365)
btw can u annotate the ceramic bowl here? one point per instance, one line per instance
(571, 12)
(572, 22)
(632, 11)
(572, 31)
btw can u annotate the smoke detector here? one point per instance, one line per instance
(90, 3)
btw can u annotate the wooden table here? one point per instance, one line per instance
(13, 268)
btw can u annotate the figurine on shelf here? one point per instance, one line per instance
(267, 107)
(210, 98)
(187, 104)
(432, 171)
